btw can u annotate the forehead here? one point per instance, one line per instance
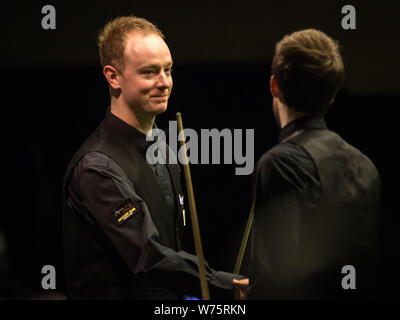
(143, 49)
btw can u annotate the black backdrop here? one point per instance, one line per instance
(54, 95)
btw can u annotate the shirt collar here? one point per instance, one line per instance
(128, 133)
(308, 122)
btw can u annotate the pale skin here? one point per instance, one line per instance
(241, 288)
(141, 91)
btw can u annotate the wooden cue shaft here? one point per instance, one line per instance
(193, 214)
(244, 241)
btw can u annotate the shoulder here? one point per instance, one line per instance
(360, 162)
(284, 155)
(95, 160)
(353, 156)
(99, 164)
(286, 167)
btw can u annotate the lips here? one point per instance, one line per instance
(159, 96)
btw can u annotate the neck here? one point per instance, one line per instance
(142, 121)
(287, 115)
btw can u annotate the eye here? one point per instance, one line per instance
(168, 70)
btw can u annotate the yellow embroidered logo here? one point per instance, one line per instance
(124, 212)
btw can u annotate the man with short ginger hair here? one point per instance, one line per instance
(123, 218)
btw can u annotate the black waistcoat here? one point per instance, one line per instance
(113, 137)
(342, 228)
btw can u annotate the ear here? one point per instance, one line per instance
(274, 88)
(333, 99)
(113, 77)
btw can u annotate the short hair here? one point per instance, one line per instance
(309, 70)
(112, 39)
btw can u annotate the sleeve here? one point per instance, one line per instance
(110, 201)
(280, 181)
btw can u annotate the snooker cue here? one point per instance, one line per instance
(244, 241)
(193, 214)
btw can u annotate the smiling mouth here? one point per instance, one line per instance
(163, 98)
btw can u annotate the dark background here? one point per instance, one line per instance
(54, 95)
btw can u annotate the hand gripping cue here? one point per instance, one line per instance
(193, 213)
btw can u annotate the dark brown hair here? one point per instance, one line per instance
(309, 70)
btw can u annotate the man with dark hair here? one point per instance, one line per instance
(123, 218)
(317, 198)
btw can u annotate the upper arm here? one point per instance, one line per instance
(284, 180)
(102, 194)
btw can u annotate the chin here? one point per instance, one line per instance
(158, 109)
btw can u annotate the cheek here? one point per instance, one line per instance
(170, 85)
(137, 89)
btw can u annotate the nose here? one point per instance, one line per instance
(163, 81)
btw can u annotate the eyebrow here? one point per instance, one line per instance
(156, 65)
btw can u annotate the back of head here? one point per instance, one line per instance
(112, 38)
(309, 70)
